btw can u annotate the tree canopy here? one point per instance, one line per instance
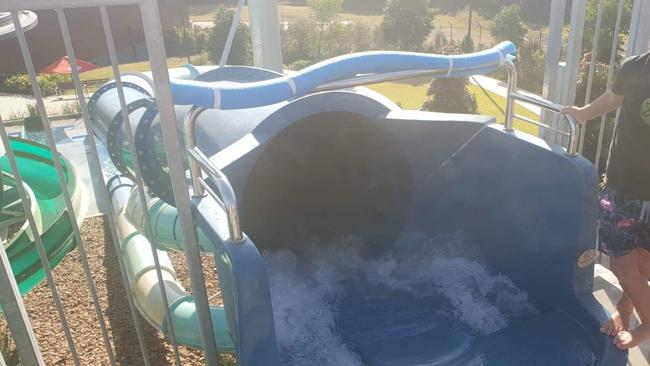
(608, 25)
(508, 26)
(241, 51)
(406, 23)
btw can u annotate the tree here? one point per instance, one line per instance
(467, 45)
(530, 64)
(406, 23)
(507, 25)
(298, 41)
(240, 53)
(608, 25)
(599, 85)
(450, 95)
(325, 13)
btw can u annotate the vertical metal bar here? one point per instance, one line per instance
(610, 77)
(173, 145)
(24, 49)
(32, 224)
(189, 126)
(265, 34)
(108, 34)
(65, 32)
(510, 100)
(574, 53)
(592, 68)
(554, 43)
(15, 313)
(634, 26)
(231, 34)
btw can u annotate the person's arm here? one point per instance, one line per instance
(606, 103)
(611, 100)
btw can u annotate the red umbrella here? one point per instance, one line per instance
(62, 66)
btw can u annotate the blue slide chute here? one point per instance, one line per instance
(229, 95)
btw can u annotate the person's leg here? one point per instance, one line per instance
(617, 239)
(628, 270)
(615, 242)
(620, 319)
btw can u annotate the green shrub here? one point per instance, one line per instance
(33, 122)
(201, 59)
(20, 83)
(71, 108)
(299, 65)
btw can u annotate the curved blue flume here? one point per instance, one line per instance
(229, 95)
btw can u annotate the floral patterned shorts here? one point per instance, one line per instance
(622, 224)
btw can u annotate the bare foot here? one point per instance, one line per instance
(619, 322)
(632, 338)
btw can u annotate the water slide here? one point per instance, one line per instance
(46, 204)
(354, 202)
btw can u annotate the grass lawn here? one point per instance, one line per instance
(106, 73)
(441, 22)
(411, 95)
(205, 13)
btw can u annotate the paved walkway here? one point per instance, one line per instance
(500, 88)
(13, 107)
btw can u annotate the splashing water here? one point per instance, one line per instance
(445, 272)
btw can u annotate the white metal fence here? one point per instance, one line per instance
(18, 321)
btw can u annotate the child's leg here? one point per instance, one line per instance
(620, 319)
(618, 238)
(635, 284)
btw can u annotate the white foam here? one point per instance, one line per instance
(306, 291)
(304, 309)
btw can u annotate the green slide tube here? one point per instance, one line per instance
(166, 228)
(48, 206)
(147, 290)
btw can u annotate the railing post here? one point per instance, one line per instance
(16, 315)
(199, 161)
(173, 146)
(510, 103)
(190, 143)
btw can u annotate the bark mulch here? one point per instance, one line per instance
(75, 295)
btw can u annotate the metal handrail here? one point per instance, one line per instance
(369, 79)
(199, 163)
(514, 95)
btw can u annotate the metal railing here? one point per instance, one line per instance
(18, 319)
(515, 95)
(198, 163)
